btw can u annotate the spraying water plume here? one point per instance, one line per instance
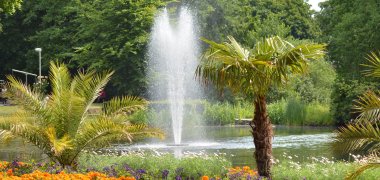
(173, 53)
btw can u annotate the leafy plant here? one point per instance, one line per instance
(59, 124)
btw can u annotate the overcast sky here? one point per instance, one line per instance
(314, 4)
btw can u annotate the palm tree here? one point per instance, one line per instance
(363, 134)
(60, 124)
(253, 72)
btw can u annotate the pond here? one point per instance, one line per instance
(299, 142)
(236, 142)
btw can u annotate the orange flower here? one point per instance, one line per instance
(126, 178)
(246, 168)
(205, 178)
(10, 172)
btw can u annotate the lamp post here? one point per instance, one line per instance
(39, 62)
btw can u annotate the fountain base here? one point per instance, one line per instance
(177, 145)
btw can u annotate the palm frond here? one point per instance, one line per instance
(270, 62)
(91, 131)
(361, 169)
(58, 145)
(123, 105)
(141, 131)
(28, 99)
(222, 64)
(60, 79)
(358, 137)
(374, 65)
(368, 105)
(89, 85)
(6, 136)
(19, 127)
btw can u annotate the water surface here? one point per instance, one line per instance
(298, 142)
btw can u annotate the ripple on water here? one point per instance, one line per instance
(289, 141)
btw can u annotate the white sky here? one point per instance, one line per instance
(314, 4)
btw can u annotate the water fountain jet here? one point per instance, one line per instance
(173, 53)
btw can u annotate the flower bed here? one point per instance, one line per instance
(50, 171)
(62, 175)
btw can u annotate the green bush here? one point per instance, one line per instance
(219, 114)
(296, 112)
(318, 115)
(276, 111)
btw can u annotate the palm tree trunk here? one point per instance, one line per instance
(262, 133)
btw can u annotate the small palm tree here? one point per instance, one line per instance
(253, 72)
(363, 135)
(60, 124)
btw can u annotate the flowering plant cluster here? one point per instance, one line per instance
(23, 171)
(242, 173)
(51, 171)
(60, 176)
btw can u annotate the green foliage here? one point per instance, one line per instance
(251, 20)
(276, 111)
(358, 138)
(317, 84)
(225, 113)
(345, 92)
(101, 34)
(193, 166)
(351, 28)
(318, 115)
(10, 6)
(268, 64)
(323, 170)
(60, 125)
(114, 33)
(196, 113)
(293, 111)
(363, 134)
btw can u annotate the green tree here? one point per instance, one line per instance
(350, 27)
(60, 124)
(253, 72)
(86, 34)
(9, 7)
(363, 134)
(250, 20)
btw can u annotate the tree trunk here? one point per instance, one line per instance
(262, 133)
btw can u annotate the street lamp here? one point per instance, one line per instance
(39, 58)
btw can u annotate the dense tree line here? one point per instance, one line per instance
(96, 34)
(114, 35)
(351, 29)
